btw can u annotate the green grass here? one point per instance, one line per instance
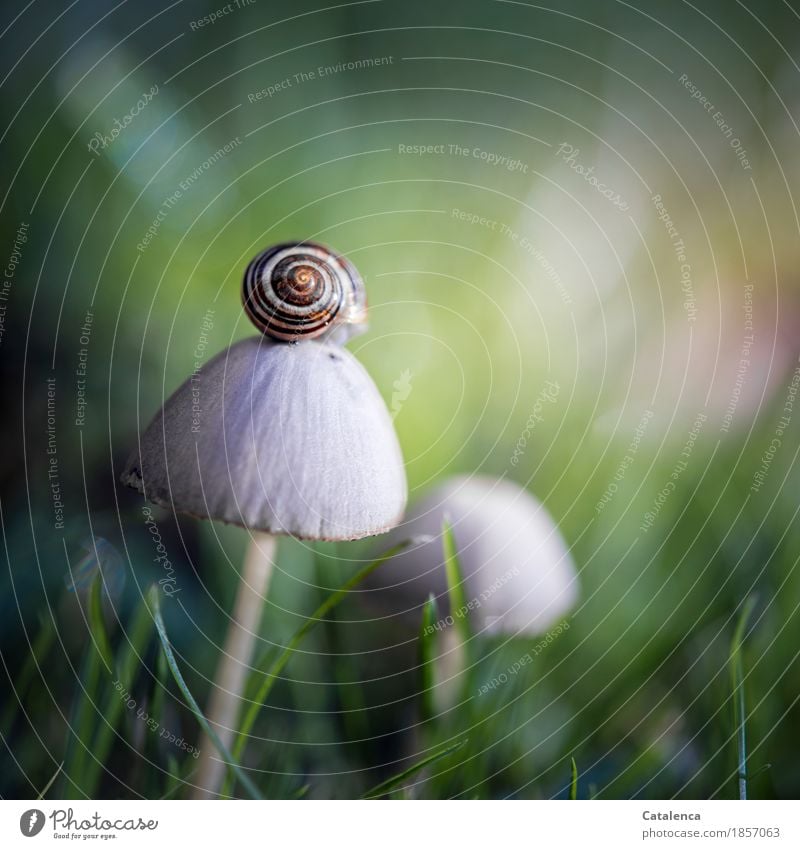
(736, 664)
(46, 789)
(396, 782)
(82, 758)
(269, 672)
(511, 741)
(40, 647)
(427, 657)
(227, 757)
(455, 583)
(130, 656)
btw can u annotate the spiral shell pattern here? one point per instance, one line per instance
(302, 291)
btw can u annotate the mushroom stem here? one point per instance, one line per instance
(234, 662)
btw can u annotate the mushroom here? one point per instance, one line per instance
(519, 578)
(281, 435)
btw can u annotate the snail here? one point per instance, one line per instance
(303, 290)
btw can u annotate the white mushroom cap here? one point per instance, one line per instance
(519, 577)
(283, 438)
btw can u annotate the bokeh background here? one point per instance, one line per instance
(610, 202)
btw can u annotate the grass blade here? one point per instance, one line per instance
(455, 583)
(97, 624)
(79, 746)
(173, 779)
(139, 634)
(737, 690)
(51, 782)
(40, 648)
(271, 674)
(160, 686)
(81, 726)
(427, 657)
(242, 777)
(395, 782)
(573, 785)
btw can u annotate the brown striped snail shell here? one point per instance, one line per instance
(302, 290)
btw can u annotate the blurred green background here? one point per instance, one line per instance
(494, 262)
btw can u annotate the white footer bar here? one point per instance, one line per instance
(401, 824)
